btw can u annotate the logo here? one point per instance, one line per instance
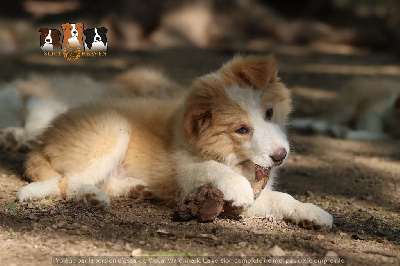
(72, 52)
(73, 45)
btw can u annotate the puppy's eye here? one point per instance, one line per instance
(243, 130)
(269, 114)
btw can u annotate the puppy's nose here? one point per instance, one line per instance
(74, 32)
(47, 40)
(98, 38)
(278, 156)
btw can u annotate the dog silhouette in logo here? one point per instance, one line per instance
(73, 34)
(49, 39)
(96, 39)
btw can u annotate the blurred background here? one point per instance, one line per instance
(331, 25)
(319, 44)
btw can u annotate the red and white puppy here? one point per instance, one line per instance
(49, 39)
(231, 120)
(73, 34)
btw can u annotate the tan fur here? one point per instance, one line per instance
(161, 130)
(218, 139)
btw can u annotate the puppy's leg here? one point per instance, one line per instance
(126, 187)
(283, 206)
(39, 190)
(236, 188)
(369, 127)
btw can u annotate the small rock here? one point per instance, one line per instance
(276, 251)
(331, 254)
(369, 198)
(297, 253)
(142, 243)
(242, 244)
(35, 226)
(136, 252)
(127, 246)
(342, 234)
(320, 237)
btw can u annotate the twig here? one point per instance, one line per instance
(378, 252)
(180, 234)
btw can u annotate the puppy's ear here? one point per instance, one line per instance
(85, 32)
(198, 113)
(79, 25)
(103, 29)
(256, 71)
(64, 26)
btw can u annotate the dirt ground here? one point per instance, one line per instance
(356, 181)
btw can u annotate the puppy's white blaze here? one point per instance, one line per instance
(73, 28)
(267, 137)
(48, 36)
(96, 35)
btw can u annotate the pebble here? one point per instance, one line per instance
(276, 251)
(242, 244)
(331, 254)
(320, 237)
(142, 243)
(127, 246)
(136, 252)
(297, 253)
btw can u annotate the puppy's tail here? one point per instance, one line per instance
(149, 82)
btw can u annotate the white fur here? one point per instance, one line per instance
(267, 137)
(283, 206)
(97, 46)
(39, 190)
(235, 187)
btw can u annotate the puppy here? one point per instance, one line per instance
(230, 121)
(49, 40)
(366, 109)
(73, 34)
(96, 39)
(28, 105)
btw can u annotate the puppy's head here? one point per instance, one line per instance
(45, 36)
(238, 113)
(55, 36)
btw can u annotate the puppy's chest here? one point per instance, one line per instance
(74, 40)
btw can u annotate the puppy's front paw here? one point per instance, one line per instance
(311, 217)
(97, 200)
(26, 193)
(238, 191)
